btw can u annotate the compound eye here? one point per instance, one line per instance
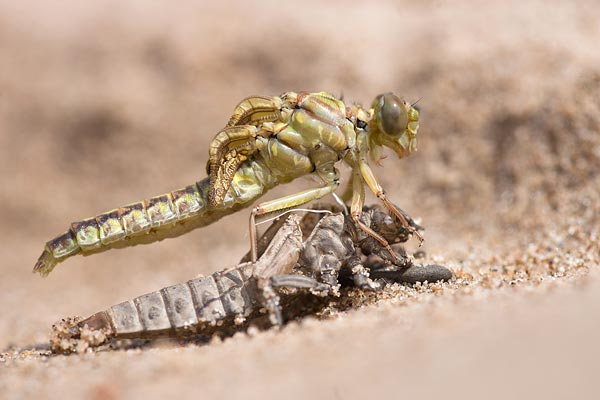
(393, 116)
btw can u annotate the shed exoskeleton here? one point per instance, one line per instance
(331, 245)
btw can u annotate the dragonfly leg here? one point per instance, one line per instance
(283, 203)
(356, 206)
(369, 178)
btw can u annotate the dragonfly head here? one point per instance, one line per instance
(394, 124)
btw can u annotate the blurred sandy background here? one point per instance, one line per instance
(103, 103)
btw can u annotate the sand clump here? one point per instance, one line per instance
(67, 338)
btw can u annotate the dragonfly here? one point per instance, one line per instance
(268, 141)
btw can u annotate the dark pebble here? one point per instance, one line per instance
(416, 273)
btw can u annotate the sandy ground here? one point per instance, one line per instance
(103, 103)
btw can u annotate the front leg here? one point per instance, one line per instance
(356, 207)
(369, 178)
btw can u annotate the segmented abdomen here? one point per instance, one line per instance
(183, 307)
(160, 217)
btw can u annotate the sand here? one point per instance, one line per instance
(103, 104)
